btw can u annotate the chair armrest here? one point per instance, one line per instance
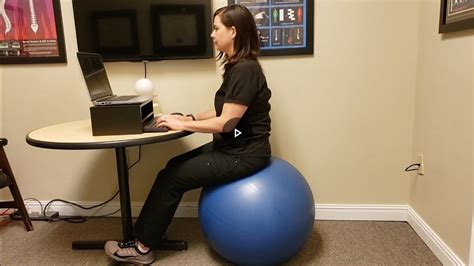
(3, 142)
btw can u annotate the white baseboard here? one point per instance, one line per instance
(346, 212)
(432, 240)
(185, 209)
(361, 212)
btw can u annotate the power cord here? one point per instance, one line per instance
(78, 205)
(81, 219)
(409, 168)
(33, 199)
(4, 214)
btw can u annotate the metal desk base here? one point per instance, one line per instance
(122, 171)
(99, 244)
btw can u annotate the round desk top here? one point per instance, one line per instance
(77, 135)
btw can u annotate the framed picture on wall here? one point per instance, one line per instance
(115, 31)
(179, 30)
(285, 26)
(456, 15)
(31, 32)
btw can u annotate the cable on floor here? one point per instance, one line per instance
(80, 218)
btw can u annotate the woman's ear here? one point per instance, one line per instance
(234, 32)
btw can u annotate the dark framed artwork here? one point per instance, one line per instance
(456, 15)
(179, 29)
(115, 32)
(31, 32)
(285, 26)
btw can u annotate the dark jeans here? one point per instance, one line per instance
(194, 169)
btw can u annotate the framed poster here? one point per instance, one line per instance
(179, 30)
(31, 32)
(115, 31)
(456, 15)
(285, 26)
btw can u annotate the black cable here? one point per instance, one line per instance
(77, 205)
(413, 169)
(80, 219)
(144, 62)
(138, 159)
(105, 215)
(41, 205)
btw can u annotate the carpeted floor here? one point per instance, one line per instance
(331, 243)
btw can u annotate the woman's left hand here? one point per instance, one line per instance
(171, 121)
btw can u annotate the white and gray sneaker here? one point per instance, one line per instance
(127, 251)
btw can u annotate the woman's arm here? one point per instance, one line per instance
(211, 113)
(226, 122)
(199, 116)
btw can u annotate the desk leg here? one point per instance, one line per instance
(122, 171)
(126, 210)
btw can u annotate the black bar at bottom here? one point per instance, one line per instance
(88, 244)
(99, 244)
(173, 245)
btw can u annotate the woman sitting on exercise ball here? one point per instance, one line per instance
(239, 121)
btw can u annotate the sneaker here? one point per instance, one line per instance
(127, 251)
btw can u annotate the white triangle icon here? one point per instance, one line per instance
(236, 132)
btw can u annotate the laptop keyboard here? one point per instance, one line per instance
(148, 127)
(122, 98)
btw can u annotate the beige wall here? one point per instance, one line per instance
(471, 253)
(443, 130)
(344, 117)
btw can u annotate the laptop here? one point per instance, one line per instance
(98, 84)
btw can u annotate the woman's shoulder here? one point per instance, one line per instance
(244, 68)
(247, 64)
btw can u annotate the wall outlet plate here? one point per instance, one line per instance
(421, 169)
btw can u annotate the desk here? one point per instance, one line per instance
(77, 135)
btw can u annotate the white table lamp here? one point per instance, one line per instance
(144, 86)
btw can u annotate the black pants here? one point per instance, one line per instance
(194, 169)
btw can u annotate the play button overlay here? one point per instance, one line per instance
(236, 132)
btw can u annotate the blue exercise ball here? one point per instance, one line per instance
(263, 219)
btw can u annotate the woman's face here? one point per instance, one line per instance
(223, 37)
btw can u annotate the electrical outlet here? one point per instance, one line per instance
(421, 169)
(30, 208)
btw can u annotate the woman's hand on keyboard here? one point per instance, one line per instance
(173, 121)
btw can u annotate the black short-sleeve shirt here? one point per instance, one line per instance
(245, 84)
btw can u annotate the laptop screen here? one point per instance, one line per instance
(94, 75)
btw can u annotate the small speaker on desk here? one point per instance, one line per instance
(120, 119)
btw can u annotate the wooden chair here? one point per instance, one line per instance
(7, 179)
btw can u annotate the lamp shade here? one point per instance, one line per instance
(144, 86)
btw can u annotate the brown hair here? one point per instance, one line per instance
(247, 40)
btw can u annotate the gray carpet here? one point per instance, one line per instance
(331, 243)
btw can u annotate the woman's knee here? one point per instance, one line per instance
(172, 161)
(170, 179)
